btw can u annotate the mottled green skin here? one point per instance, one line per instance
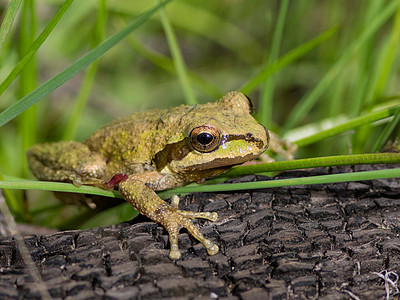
(154, 149)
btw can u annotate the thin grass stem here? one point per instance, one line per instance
(268, 89)
(177, 58)
(302, 108)
(287, 59)
(53, 83)
(35, 46)
(8, 20)
(83, 96)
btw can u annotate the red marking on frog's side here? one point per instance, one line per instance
(115, 180)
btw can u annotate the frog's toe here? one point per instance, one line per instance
(175, 201)
(212, 216)
(174, 252)
(193, 230)
(211, 248)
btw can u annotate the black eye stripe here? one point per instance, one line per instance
(249, 137)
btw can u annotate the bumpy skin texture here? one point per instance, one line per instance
(157, 150)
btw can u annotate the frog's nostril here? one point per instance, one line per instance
(249, 136)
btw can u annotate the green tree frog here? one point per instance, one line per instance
(157, 150)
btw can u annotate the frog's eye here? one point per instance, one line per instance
(204, 138)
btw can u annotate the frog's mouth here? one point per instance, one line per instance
(219, 163)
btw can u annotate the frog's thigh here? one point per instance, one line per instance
(148, 203)
(66, 161)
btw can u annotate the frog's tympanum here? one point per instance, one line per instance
(157, 150)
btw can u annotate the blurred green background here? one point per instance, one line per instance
(307, 65)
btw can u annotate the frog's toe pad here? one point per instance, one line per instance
(174, 252)
(211, 248)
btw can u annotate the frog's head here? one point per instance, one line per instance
(214, 137)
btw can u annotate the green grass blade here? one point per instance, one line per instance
(80, 103)
(27, 83)
(57, 186)
(378, 78)
(332, 178)
(390, 56)
(167, 64)
(268, 90)
(287, 59)
(302, 108)
(197, 19)
(374, 158)
(326, 161)
(83, 96)
(363, 64)
(12, 202)
(384, 136)
(350, 124)
(178, 59)
(385, 62)
(53, 83)
(35, 46)
(8, 20)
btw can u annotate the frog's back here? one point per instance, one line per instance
(135, 139)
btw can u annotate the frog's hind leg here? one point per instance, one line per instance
(66, 161)
(146, 201)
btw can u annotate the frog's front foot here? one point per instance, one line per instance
(182, 219)
(146, 201)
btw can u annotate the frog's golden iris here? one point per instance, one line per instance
(205, 138)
